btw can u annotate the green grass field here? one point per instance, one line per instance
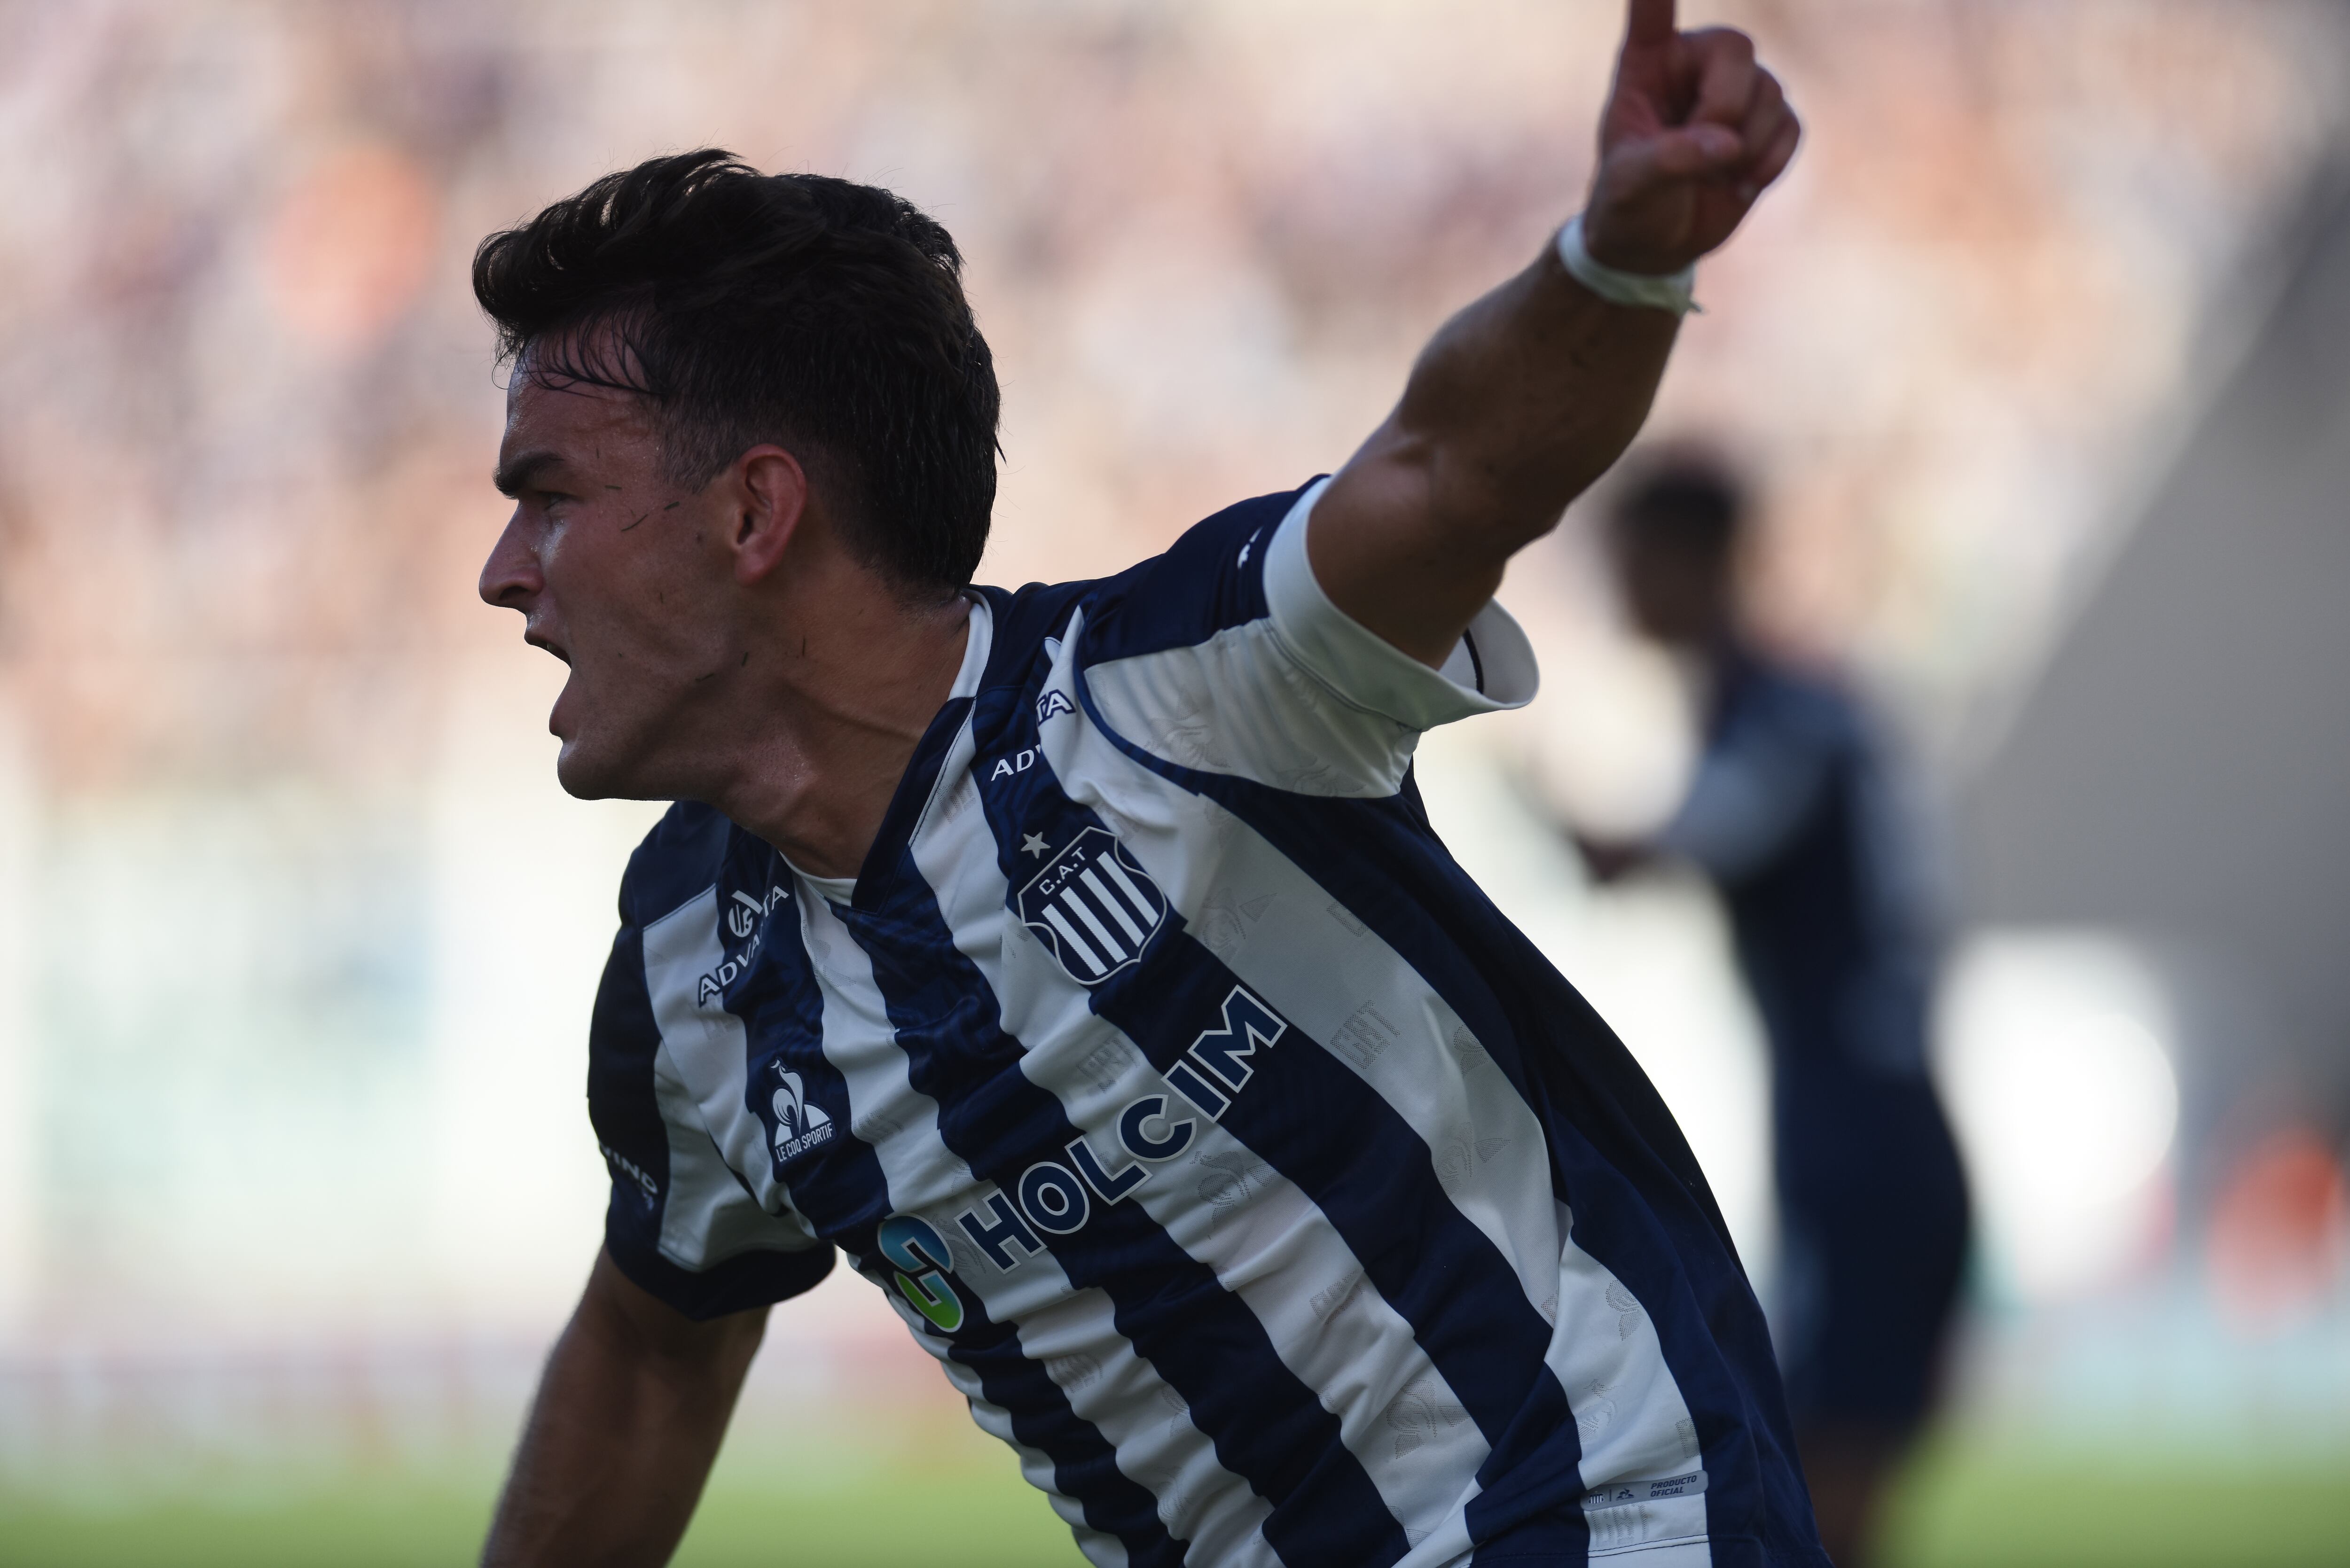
(958, 1504)
(956, 1519)
(1971, 1505)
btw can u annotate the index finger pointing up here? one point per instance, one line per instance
(1648, 24)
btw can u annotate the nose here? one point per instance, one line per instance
(510, 578)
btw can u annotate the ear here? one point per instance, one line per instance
(770, 503)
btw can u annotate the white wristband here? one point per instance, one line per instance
(1674, 291)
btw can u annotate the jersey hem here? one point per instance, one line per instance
(740, 1283)
(1714, 1551)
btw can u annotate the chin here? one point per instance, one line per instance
(588, 774)
(585, 776)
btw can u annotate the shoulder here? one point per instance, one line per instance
(1210, 579)
(1028, 625)
(679, 857)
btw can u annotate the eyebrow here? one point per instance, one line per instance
(511, 477)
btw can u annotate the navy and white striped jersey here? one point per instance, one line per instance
(1252, 1177)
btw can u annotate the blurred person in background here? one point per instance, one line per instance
(1791, 817)
(1078, 960)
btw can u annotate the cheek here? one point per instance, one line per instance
(662, 624)
(636, 590)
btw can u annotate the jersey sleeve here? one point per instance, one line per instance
(680, 1223)
(1254, 672)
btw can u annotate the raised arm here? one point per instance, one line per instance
(1529, 394)
(628, 1417)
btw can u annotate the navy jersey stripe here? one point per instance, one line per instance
(677, 860)
(622, 1041)
(1618, 1159)
(1023, 620)
(1376, 1181)
(912, 795)
(1266, 1426)
(1155, 604)
(840, 1187)
(1210, 578)
(1558, 1536)
(1084, 1465)
(1447, 1324)
(844, 1184)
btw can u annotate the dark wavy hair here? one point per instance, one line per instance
(821, 315)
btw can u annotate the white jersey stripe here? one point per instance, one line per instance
(1073, 1333)
(1266, 1240)
(1109, 901)
(701, 1062)
(1107, 1383)
(1126, 884)
(900, 1123)
(1268, 1244)
(1307, 954)
(1284, 936)
(1069, 935)
(1093, 922)
(1152, 980)
(1628, 1412)
(1100, 1548)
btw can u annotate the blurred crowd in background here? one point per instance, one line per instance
(2035, 362)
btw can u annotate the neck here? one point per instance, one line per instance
(831, 729)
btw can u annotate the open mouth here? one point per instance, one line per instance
(547, 646)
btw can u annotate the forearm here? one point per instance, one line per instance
(1523, 398)
(620, 1437)
(1526, 397)
(1515, 406)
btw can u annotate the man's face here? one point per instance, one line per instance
(619, 572)
(1676, 594)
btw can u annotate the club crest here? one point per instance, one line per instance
(1093, 906)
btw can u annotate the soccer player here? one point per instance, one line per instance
(1078, 960)
(1791, 815)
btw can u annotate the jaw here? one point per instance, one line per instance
(586, 763)
(623, 751)
(598, 759)
(594, 765)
